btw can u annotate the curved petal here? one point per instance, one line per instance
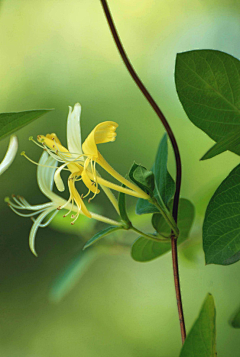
(10, 154)
(74, 130)
(35, 227)
(91, 185)
(102, 133)
(58, 180)
(77, 198)
(45, 175)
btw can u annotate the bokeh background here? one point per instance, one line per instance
(54, 53)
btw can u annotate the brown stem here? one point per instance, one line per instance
(161, 116)
(177, 287)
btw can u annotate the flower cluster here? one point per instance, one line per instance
(80, 161)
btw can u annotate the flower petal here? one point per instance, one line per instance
(58, 180)
(10, 154)
(102, 133)
(88, 183)
(35, 227)
(45, 175)
(77, 198)
(74, 130)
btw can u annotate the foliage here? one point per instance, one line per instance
(11, 122)
(144, 250)
(201, 340)
(208, 86)
(164, 184)
(221, 228)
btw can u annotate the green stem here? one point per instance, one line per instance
(167, 216)
(159, 238)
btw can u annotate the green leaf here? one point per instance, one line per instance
(122, 208)
(66, 280)
(144, 250)
(164, 181)
(101, 234)
(235, 321)
(208, 86)
(229, 142)
(164, 184)
(144, 207)
(201, 340)
(221, 227)
(142, 177)
(10, 122)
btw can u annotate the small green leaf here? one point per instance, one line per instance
(208, 86)
(221, 227)
(144, 250)
(66, 280)
(11, 122)
(122, 208)
(101, 234)
(235, 321)
(144, 206)
(229, 142)
(164, 184)
(201, 340)
(164, 180)
(142, 177)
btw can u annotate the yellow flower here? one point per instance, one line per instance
(81, 161)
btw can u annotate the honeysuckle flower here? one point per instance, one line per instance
(81, 160)
(10, 154)
(47, 211)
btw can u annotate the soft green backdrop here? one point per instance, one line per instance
(54, 53)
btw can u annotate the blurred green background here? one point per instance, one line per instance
(54, 53)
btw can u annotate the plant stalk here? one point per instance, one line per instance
(150, 236)
(168, 129)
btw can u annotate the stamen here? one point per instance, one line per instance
(25, 214)
(35, 142)
(65, 204)
(24, 201)
(66, 214)
(82, 197)
(52, 154)
(42, 225)
(36, 163)
(23, 206)
(76, 217)
(16, 200)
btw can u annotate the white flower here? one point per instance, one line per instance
(10, 154)
(45, 178)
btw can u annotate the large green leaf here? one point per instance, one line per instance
(144, 250)
(235, 320)
(10, 122)
(208, 86)
(201, 340)
(164, 184)
(100, 235)
(221, 227)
